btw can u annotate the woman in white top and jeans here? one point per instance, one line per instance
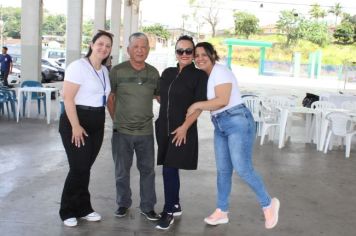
(233, 137)
(85, 90)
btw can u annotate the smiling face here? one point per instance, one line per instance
(202, 60)
(101, 47)
(184, 53)
(138, 50)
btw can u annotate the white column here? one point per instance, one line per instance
(135, 16)
(100, 15)
(115, 28)
(127, 27)
(74, 30)
(31, 41)
(131, 14)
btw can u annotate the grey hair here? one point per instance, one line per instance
(136, 36)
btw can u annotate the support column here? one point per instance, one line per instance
(261, 67)
(131, 13)
(115, 28)
(31, 41)
(229, 55)
(74, 30)
(100, 15)
(296, 64)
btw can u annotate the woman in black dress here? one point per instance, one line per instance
(177, 137)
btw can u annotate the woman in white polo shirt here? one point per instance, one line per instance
(233, 137)
(85, 90)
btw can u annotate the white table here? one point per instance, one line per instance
(29, 91)
(337, 99)
(285, 112)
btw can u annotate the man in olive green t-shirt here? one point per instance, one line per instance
(134, 84)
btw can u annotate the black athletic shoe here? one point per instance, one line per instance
(121, 212)
(151, 215)
(177, 210)
(165, 221)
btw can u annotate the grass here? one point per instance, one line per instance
(332, 54)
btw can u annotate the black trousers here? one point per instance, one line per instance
(171, 185)
(75, 200)
(4, 75)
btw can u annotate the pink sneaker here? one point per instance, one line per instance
(271, 214)
(218, 217)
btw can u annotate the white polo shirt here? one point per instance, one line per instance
(91, 90)
(222, 75)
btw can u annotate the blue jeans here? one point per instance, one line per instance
(233, 142)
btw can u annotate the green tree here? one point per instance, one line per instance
(344, 32)
(54, 24)
(290, 23)
(88, 31)
(158, 30)
(317, 12)
(245, 24)
(336, 10)
(11, 17)
(315, 32)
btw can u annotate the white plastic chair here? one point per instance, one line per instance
(320, 106)
(253, 103)
(340, 125)
(270, 116)
(272, 107)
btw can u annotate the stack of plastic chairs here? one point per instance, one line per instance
(35, 96)
(320, 106)
(341, 124)
(8, 97)
(254, 104)
(271, 114)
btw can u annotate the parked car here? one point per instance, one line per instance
(53, 64)
(15, 77)
(61, 62)
(50, 73)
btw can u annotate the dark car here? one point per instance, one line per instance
(52, 64)
(50, 74)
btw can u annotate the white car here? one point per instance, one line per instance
(15, 77)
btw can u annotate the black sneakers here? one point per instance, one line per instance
(151, 215)
(165, 221)
(121, 212)
(177, 210)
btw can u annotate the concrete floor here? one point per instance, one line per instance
(317, 191)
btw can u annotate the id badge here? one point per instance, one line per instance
(104, 100)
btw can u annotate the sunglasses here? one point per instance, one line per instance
(188, 51)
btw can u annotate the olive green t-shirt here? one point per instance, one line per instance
(134, 91)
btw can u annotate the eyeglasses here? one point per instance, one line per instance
(187, 51)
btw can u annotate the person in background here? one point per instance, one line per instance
(85, 90)
(6, 65)
(234, 137)
(177, 137)
(134, 84)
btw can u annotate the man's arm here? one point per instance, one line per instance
(10, 71)
(111, 105)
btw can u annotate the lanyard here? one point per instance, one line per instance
(103, 83)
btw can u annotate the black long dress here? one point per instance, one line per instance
(178, 91)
